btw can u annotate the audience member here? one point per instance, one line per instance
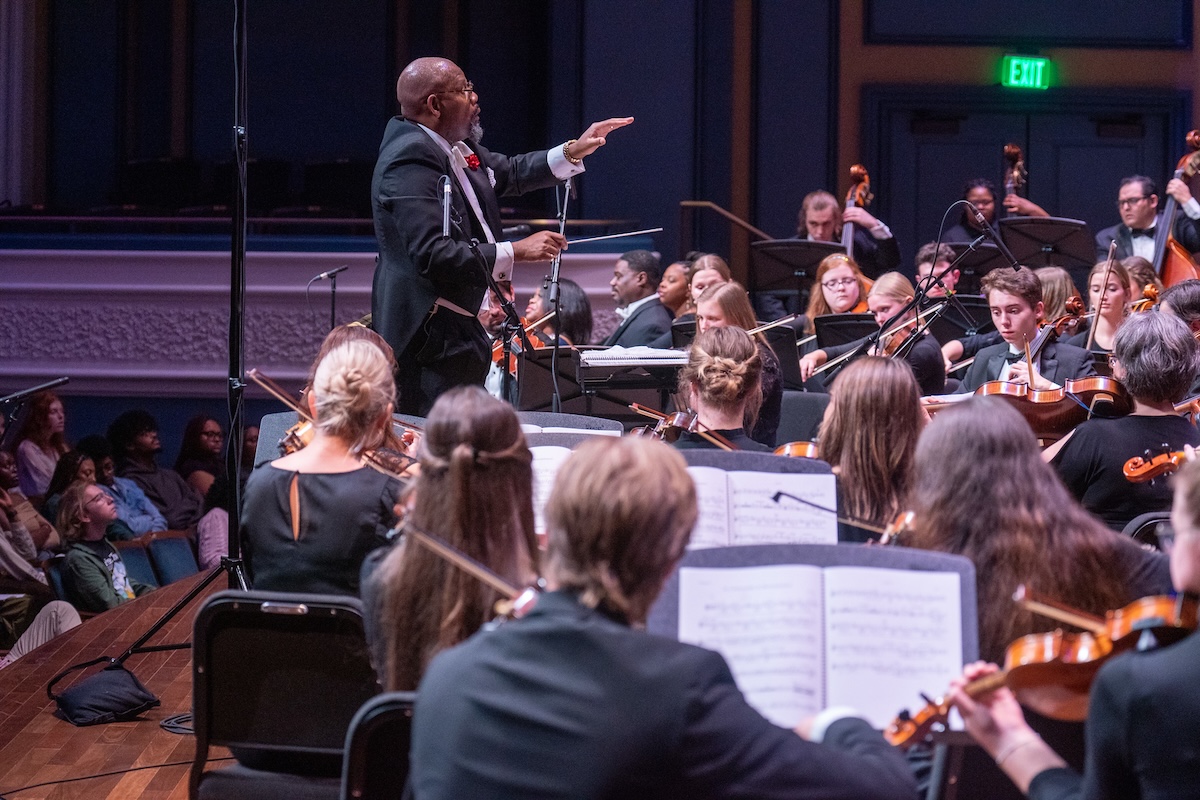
(134, 439)
(75, 465)
(55, 618)
(40, 443)
(575, 700)
(475, 492)
(311, 517)
(722, 385)
(45, 537)
(136, 515)
(94, 573)
(634, 287)
(201, 456)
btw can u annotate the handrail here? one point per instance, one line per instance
(724, 213)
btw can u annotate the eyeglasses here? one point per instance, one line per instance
(1130, 202)
(838, 283)
(1167, 536)
(467, 90)
(102, 496)
(212, 434)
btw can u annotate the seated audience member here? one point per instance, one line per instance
(134, 439)
(673, 288)
(574, 320)
(891, 293)
(869, 435)
(249, 451)
(75, 465)
(475, 492)
(40, 443)
(1155, 357)
(55, 618)
(1143, 719)
(136, 515)
(20, 570)
(45, 537)
(981, 193)
(635, 288)
(311, 517)
(982, 490)
(821, 219)
(932, 260)
(722, 385)
(212, 531)
(1141, 275)
(1109, 305)
(1015, 300)
(94, 573)
(729, 305)
(201, 457)
(575, 700)
(839, 288)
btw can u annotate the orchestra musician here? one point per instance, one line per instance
(574, 319)
(981, 193)
(1144, 711)
(1155, 357)
(1015, 300)
(932, 260)
(890, 293)
(575, 699)
(1108, 300)
(1137, 203)
(1141, 274)
(722, 385)
(821, 219)
(839, 288)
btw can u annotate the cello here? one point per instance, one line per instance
(859, 196)
(1016, 174)
(1172, 262)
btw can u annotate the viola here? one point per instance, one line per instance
(1053, 413)
(858, 196)
(1172, 262)
(671, 426)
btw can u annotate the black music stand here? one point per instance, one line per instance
(835, 329)
(682, 333)
(967, 316)
(782, 339)
(535, 388)
(975, 264)
(787, 267)
(1051, 241)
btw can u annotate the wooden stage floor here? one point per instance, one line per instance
(36, 747)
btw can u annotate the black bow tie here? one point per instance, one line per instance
(1142, 232)
(1013, 358)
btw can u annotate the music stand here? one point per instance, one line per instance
(782, 339)
(953, 323)
(1051, 241)
(835, 329)
(975, 264)
(787, 266)
(535, 389)
(682, 333)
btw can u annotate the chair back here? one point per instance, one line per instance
(800, 416)
(54, 576)
(1144, 528)
(377, 745)
(137, 561)
(277, 677)
(549, 419)
(172, 557)
(746, 461)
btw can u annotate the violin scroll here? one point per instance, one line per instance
(1141, 470)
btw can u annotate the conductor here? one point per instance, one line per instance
(431, 274)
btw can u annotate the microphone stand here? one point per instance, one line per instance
(553, 295)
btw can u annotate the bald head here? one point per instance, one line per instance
(424, 77)
(436, 93)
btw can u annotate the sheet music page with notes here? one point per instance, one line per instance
(890, 634)
(767, 623)
(547, 460)
(738, 508)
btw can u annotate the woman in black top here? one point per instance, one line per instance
(310, 518)
(200, 456)
(1155, 356)
(721, 383)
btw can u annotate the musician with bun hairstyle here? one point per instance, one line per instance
(721, 383)
(1144, 713)
(576, 700)
(310, 518)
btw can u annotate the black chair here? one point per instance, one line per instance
(277, 678)
(377, 747)
(800, 416)
(1145, 527)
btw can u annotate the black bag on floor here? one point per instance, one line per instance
(113, 694)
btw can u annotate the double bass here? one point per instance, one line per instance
(1015, 175)
(859, 196)
(1172, 262)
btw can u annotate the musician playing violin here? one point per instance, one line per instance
(1108, 300)
(1015, 300)
(1144, 716)
(890, 293)
(1155, 357)
(722, 385)
(574, 320)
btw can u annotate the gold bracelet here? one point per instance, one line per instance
(567, 152)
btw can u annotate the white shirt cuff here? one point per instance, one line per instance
(503, 268)
(881, 231)
(559, 165)
(1192, 208)
(823, 720)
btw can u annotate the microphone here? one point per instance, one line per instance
(990, 232)
(331, 273)
(445, 181)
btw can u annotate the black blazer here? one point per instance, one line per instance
(1060, 362)
(1187, 233)
(570, 703)
(416, 264)
(644, 326)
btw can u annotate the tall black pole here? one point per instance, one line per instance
(237, 288)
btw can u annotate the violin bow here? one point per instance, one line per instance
(1112, 255)
(277, 391)
(1029, 361)
(464, 562)
(1030, 601)
(708, 434)
(769, 325)
(844, 357)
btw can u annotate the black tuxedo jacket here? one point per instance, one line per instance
(416, 264)
(1187, 233)
(1059, 363)
(873, 256)
(570, 703)
(644, 326)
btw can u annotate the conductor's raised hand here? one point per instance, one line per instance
(541, 246)
(596, 135)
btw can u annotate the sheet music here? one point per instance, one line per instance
(757, 519)
(766, 622)
(712, 497)
(632, 355)
(890, 634)
(547, 459)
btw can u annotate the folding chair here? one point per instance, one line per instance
(377, 746)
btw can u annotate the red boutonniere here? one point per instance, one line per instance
(473, 161)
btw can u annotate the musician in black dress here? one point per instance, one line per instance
(721, 382)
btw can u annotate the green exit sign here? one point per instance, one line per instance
(1025, 72)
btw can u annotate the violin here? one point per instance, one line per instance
(671, 426)
(1172, 262)
(797, 450)
(531, 330)
(1149, 299)
(1015, 175)
(1053, 413)
(1141, 470)
(1167, 618)
(858, 196)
